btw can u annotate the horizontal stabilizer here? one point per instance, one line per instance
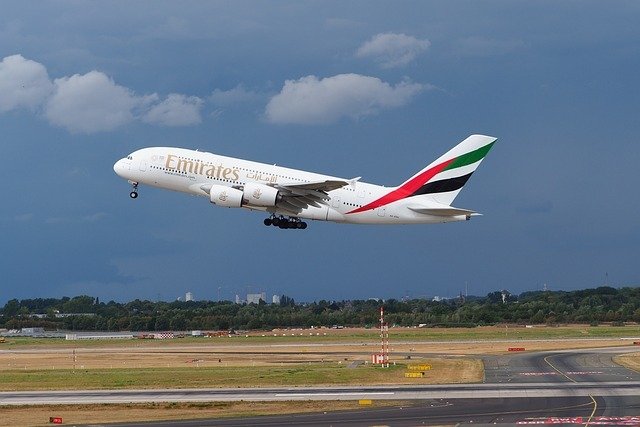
(441, 210)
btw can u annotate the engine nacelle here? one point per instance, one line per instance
(225, 196)
(256, 194)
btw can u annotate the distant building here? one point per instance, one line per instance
(32, 330)
(60, 315)
(255, 298)
(98, 336)
(188, 296)
(275, 299)
(238, 300)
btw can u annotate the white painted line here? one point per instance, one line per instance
(333, 394)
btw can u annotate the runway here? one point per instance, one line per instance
(454, 391)
(575, 387)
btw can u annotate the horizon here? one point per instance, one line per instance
(296, 301)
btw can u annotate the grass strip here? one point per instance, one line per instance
(444, 371)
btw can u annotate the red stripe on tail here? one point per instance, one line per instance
(406, 189)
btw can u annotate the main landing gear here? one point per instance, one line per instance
(134, 191)
(282, 222)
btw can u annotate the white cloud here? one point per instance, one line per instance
(310, 100)
(176, 110)
(23, 83)
(234, 97)
(90, 103)
(392, 50)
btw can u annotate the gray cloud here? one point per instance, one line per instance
(234, 97)
(24, 217)
(311, 100)
(95, 217)
(176, 110)
(482, 46)
(392, 50)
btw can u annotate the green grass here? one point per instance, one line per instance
(300, 375)
(361, 335)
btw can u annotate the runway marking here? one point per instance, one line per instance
(334, 394)
(539, 374)
(609, 421)
(595, 404)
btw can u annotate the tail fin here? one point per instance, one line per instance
(443, 179)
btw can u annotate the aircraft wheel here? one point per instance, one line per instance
(283, 225)
(133, 194)
(303, 225)
(267, 221)
(275, 222)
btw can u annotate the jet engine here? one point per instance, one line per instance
(256, 194)
(225, 196)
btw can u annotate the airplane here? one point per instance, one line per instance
(291, 196)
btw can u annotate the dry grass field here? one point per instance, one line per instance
(630, 360)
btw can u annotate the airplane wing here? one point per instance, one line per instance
(327, 185)
(297, 196)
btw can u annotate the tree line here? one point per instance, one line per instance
(86, 313)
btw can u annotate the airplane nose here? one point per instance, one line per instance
(121, 167)
(117, 167)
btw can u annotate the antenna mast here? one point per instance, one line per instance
(384, 337)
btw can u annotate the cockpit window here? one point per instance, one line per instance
(130, 157)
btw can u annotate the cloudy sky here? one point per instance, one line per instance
(371, 89)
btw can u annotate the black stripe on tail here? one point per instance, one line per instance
(443, 186)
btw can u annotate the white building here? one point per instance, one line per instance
(255, 298)
(188, 296)
(275, 299)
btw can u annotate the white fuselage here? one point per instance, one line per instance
(190, 171)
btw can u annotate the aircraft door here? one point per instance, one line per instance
(143, 166)
(381, 211)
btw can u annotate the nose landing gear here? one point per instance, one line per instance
(285, 223)
(134, 191)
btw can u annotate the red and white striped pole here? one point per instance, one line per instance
(384, 337)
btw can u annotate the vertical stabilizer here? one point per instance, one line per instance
(443, 179)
